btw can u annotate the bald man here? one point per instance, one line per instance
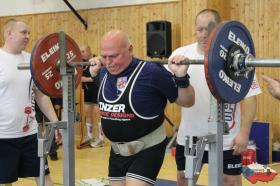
(18, 126)
(132, 97)
(90, 102)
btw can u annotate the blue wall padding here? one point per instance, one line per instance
(260, 134)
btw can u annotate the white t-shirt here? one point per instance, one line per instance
(17, 116)
(195, 120)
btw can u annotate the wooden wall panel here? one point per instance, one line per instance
(222, 6)
(189, 10)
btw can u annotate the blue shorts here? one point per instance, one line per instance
(232, 163)
(19, 159)
(144, 165)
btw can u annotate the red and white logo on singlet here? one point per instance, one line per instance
(121, 83)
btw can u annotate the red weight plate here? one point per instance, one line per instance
(43, 64)
(208, 79)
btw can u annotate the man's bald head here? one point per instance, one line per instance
(85, 47)
(118, 37)
(116, 51)
(86, 52)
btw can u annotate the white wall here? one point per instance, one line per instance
(22, 7)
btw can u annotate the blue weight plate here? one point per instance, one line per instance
(221, 39)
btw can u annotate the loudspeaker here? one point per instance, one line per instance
(158, 39)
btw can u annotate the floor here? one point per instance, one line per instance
(92, 163)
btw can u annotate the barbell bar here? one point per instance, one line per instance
(26, 66)
(248, 62)
(229, 62)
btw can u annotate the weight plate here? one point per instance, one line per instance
(43, 64)
(220, 41)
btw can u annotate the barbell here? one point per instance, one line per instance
(228, 63)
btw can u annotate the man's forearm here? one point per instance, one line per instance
(186, 96)
(46, 106)
(248, 112)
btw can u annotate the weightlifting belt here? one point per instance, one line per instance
(133, 147)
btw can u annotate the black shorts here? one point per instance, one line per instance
(144, 166)
(232, 163)
(90, 93)
(19, 159)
